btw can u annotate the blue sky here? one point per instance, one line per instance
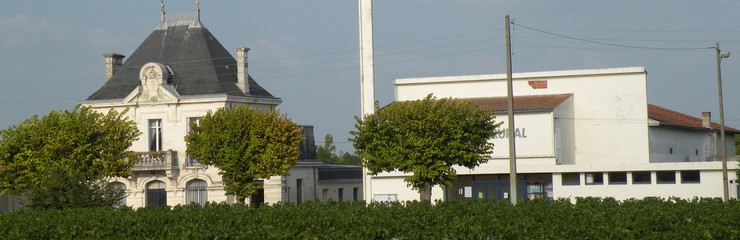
(306, 52)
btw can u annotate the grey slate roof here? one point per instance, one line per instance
(201, 65)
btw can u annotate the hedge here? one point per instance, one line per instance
(588, 218)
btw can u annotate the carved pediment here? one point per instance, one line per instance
(155, 87)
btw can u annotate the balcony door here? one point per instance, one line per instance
(155, 135)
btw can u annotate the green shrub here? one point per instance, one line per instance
(587, 218)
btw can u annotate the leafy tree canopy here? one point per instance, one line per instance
(246, 144)
(328, 153)
(426, 137)
(81, 145)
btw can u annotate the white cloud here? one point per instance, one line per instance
(466, 2)
(278, 51)
(98, 37)
(19, 30)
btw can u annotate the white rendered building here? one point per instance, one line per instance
(178, 74)
(578, 133)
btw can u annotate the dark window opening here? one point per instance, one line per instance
(571, 178)
(690, 177)
(595, 178)
(156, 195)
(665, 177)
(641, 178)
(299, 190)
(616, 178)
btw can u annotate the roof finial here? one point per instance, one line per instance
(197, 9)
(161, 12)
(197, 12)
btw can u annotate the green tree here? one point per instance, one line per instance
(73, 150)
(329, 155)
(327, 152)
(426, 137)
(346, 158)
(245, 144)
(64, 191)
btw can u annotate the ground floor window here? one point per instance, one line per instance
(571, 178)
(258, 198)
(665, 177)
(641, 178)
(596, 178)
(497, 186)
(156, 195)
(119, 187)
(690, 176)
(196, 191)
(617, 178)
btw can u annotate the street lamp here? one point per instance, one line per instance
(725, 187)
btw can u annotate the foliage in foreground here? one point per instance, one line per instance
(425, 137)
(62, 159)
(245, 144)
(589, 218)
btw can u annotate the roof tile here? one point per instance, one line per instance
(670, 118)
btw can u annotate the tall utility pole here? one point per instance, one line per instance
(510, 97)
(725, 187)
(367, 78)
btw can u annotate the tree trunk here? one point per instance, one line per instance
(426, 193)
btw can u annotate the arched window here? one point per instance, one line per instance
(156, 195)
(119, 187)
(196, 191)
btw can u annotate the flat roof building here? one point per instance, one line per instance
(578, 133)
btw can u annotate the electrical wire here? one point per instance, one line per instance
(606, 43)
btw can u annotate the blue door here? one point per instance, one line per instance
(493, 190)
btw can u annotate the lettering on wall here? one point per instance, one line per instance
(518, 133)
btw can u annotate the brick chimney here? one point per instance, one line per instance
(706, 120)
(112, 62)
(242, 69)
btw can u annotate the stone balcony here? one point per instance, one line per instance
(156, 161)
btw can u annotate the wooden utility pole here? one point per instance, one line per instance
(725, 187)
(510, 96)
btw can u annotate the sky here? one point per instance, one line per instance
(306, 52)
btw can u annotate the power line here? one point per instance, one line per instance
(605, 43)
(635, 40)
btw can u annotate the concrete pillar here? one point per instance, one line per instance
(242, 68)
(367, 78)
(274, 189)
(112, 62)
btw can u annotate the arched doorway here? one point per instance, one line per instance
(156, 195)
